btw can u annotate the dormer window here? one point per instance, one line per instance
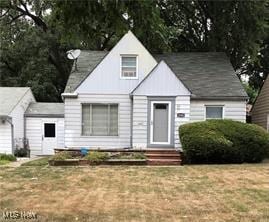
(129, 67)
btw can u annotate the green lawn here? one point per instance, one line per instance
(188, 193)
(4, 162)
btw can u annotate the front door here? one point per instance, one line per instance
(160, 123)
(49, 138)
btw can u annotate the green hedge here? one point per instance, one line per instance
(223, 141)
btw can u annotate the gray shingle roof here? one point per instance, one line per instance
(45, 109)
(10, 97)
(86, 62)
(205, 74)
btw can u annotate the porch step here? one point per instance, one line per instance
(162, 152)
(163, 162)
(163, 157)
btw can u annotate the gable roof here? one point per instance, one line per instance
(10, 97)
(205, 74)
(45, 109)
(161, 68)
(86, 63)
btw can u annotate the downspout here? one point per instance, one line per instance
(131, 136)
(12, 133)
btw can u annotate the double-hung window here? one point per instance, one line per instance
(214, 112)
(128, 67)
(99, 119)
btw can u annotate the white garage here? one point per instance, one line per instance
(44, 127)
(13, 103)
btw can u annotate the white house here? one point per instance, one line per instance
(13, 103)
(125, 98)
(129, 98)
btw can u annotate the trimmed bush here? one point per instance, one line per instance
(95, 157)
(8, 157)
(223, 141)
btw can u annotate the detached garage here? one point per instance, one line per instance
(44, 127)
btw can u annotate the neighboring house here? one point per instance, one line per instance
(13, 103)
(260, 108)
(44, 127)
(24, 122)
(129, 98)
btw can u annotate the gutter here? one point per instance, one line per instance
(9, 120)
(69, 95)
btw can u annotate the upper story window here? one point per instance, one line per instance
(128, 67)
(214, 112)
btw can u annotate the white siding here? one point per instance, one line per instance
(235, 110)
(17, 115)
(73, 137)
(140, 110)
(34, 132)
(161, 82)
(105, 78)
(182, 106)
(5, 138)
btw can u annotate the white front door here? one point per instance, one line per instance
(49, 137)
(160, 122)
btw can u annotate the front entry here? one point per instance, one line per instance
(49, 138)
(160, 122)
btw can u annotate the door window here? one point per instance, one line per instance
(49, 129)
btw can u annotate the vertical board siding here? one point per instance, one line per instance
(260, 110)
(34, 132)
(5, 138)
(140, 115)
(73, 137)
(235, 110)
(182, 106)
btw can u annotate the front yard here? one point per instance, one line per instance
(124, 193)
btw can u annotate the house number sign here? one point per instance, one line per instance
(181, 115)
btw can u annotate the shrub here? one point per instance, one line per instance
(63, 155)
(223, 141)
(8, 157)
(23, 152)
(95, 157)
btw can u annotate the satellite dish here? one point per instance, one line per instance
(73, 54)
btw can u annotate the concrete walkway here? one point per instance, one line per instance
(21, 160)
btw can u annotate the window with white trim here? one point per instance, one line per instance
(128, 67)
(214, 112)
(99, 119)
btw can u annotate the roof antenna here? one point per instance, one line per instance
(73, 54)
